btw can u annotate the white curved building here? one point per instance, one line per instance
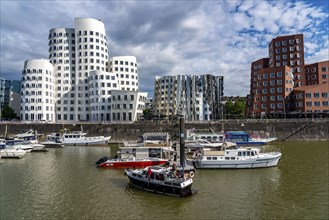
(37, 91)
(125, 67)
(101, 85)
(62, 56)
(84, 74)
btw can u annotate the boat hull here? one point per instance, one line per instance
(12, 153)
(238, 164)
(132, 164)
(168, 188)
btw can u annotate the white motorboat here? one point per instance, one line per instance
(80, 138)
(234, 158)
(29, 136)
(54, 140)
(9, 152)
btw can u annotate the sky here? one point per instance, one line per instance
(170, 37)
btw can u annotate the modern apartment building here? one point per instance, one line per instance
(269, 89)
(4, 92)
(10, 94)
(317, 73)
(84, 74)
(312, 98)
(38, 91)
(275, 81)
(289, 51)
(197, 97)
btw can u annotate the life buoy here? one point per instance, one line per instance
(192, 174)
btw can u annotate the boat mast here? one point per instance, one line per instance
(182, 142)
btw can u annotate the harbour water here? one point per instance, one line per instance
(65, 184)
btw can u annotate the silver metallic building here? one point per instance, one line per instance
(197, 97)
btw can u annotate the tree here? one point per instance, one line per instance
(8, 112)
(235, 110)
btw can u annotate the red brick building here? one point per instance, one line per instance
(289, 51)
(317, 73)
(269, 88)
(312, 98)
(283, 84)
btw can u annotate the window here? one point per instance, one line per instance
(316, 95)
(308, 95)
(324, 95)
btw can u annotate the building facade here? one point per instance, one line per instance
(289, 51)
(317, 73)
(312, 98)
(38, 91)
(84, 74)
(275, 81)
(198, 98)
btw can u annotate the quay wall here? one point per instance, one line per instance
(287, 130)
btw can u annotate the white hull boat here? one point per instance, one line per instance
(79, 138)
(12, 153)
(208, 158)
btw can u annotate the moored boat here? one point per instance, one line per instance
(170, 181)
(9, 152)
(53, 140)
(161, 180)
(234, 158)
(130, 162)
(80, 138)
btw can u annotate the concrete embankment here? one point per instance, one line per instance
(285, 130)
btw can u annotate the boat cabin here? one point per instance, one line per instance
(234, 154)
(144, 152)
(192, 136)
(74, 135)
(237, 136)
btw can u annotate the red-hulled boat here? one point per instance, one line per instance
(130, 162)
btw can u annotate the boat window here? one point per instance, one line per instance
(226, 152)
(232, 158)
(244, 153)
(214, 158)
(239, 153)
(248, 153)
(208, 158)
(227, 158)
(252, 153)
